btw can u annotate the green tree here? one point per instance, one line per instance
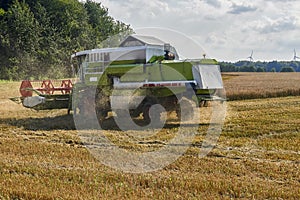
(5, 4)
(260, 69)
(227, 67)
(104, 25)
(49, 52)
(273, 69)
(37, 37)
(287, 69)
(248, 68)
(18, 41)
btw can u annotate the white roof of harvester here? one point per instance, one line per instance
(131, 43)
(141, 40)
(114, 49)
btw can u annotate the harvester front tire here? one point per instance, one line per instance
(185, 110)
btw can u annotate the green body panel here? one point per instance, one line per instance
(151, 72)
(133, 73)
(140, 72)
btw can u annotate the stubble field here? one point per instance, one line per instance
(257, 155)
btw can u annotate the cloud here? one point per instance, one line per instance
(216, 39)
(286, 23)
(214, 3)
(136, 9)
(282, 0)
(239, 9)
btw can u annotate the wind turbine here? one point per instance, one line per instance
(250, 57)
(295, 55)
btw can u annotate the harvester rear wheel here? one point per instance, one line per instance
(121, 113)
(101, 115)
(146, 112)
(152, 113)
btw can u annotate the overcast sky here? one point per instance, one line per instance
(227, 30)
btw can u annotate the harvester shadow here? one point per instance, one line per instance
(66, 122)
(62, 122)
(110, 124)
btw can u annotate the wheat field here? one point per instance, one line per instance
(244, 85)
(257, 155)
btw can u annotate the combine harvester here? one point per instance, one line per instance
(141, 72)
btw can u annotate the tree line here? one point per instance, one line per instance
(37, 37)
(248, 66)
